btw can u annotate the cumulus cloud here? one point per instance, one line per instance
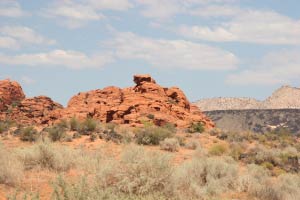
(164, 53)
(275, 68)
(11, 8)
(75, 14)
(261, 27)
(23, 35)
(59, 58)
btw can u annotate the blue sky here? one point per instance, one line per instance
(209, 48)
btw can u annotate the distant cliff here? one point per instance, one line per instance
(285, 97)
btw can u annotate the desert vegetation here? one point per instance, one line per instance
(221, 165)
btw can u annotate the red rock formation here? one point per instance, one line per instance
(10, 93)
(14, 105)
(36, 110)
(147, 101)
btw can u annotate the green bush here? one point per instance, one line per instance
(56, 133)
(74, 124)
(29, 134)
(196, 128)
(152, 135)
(88, 125)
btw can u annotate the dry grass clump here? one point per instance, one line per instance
(258, 183)
(218, 149)
(192, 144)
(48, 156)
(11, 168)
(144, 172)
(169, 144)
(204, 178)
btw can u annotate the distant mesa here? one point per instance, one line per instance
(146, 101)
(286, 97)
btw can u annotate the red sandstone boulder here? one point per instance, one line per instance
(36, 110)
(147, 101)
(10, 93)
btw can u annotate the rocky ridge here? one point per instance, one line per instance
(285, 97)
(146, 101)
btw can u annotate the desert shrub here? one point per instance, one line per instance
(169, 144)
(74, 124)
(5, 125)
(48, 156)
(252, 180)
(152, 135)
(192, 144)
(83, 189)
(215, 132)
(196, 128)
(11, 168)
(64, 124)
(88, 125)
(218, 149)
(110, 133)
(93, 137)
(150, 116)
(236, 150)
(29, 134)
(204, 178)
(256, 182)
(56, 133)
(181, 140)
(171, 127)
(144, 172)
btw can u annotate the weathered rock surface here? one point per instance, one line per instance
(146, 101)
(10, 93)
(14, 105)
(285, 97)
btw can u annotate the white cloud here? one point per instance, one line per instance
(217, 11)
(163, 53)
(25, 35)
(75, 14)
(262, 27)
(11, 8)
(160, 9)
(61, 58)
(165, 9)
(275, 68)
(8, 43)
